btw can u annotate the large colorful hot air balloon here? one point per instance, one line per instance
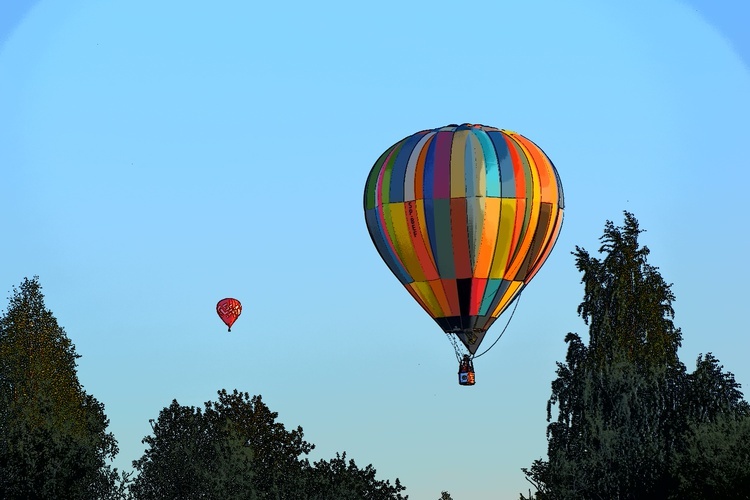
(229, 310)
(464, 216)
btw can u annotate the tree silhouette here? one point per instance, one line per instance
(53, 437)
(626, 420)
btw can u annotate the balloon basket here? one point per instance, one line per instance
(466, 378)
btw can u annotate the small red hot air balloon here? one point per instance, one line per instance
(229, 310)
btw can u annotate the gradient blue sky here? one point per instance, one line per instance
(159, 156)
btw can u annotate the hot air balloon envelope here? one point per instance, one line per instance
(464, 216)
(229, 310)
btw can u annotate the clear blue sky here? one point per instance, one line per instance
(159, 156)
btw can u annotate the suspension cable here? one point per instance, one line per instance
(456, 347)
(518, 299)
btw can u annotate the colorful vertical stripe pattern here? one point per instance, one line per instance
(464, 216)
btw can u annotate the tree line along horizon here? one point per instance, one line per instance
(626, 419)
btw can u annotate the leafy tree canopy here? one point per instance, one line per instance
(238, 440)
(626, 419)
(53, 435)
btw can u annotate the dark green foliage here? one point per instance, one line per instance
(238, 440)
(629, 419)
(277, 464)
(53, 438)
(714, 459)
(626, 303)
(338, 479)
(445, 496)
(712, 393)
(193, 454)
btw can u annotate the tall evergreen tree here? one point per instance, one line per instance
(627, 304)
(616, 397)
(629, 420)
(53, 435)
